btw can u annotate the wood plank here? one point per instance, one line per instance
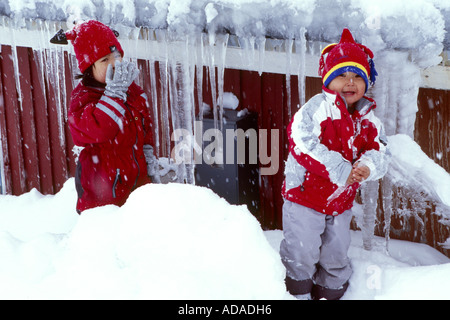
(30, 154)
(68, 78)
(42, 127)
(432, 127)
(13, 130)
(5, 171)
(57, 143)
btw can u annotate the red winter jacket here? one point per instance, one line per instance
(112, 163)
(325, 140)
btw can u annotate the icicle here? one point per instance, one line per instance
(174, 73)
(181, 79)
(300, 49)
(199, 73)
(55, 75)
(396, 99)
(215, 58)
(14, 27)
(187, 108)
(163, 71)
(247, 52)
(210, 56)
(221, 46)
(190, 97)
(60, 88)
(288, 47)
(41, 55)
(370, 201)
(387, 208)
(261, 48)
(153, 95)
(135, 34)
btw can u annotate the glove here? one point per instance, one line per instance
(152, 163)
(118, 81)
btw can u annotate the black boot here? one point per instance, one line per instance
(298, 287)
(319, 292)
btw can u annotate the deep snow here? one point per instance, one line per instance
(178, 241)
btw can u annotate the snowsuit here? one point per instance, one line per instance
(325, 141)
(113, 133)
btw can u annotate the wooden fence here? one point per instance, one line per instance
(35, 142)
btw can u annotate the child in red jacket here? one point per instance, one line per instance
(108, 117)
(336, 143)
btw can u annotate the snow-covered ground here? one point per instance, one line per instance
(178, 241)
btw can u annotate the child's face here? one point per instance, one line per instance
(101, 65)
(350, 87)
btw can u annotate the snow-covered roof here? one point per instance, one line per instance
(418, 26)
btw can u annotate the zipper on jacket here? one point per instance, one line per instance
(137, 164)
(132, 149)
(117, 179)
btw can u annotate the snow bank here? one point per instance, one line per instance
(33, 214)
(179, 242)
(167, 242)
(411, 163)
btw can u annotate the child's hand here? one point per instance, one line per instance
(118, 80)
(358, 174)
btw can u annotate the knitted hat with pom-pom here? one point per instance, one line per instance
(91, 41)
(347, 55)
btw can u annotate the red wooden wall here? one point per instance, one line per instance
(432, 131)
(34, 155)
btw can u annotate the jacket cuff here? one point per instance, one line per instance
(368, 163)
(342, 173)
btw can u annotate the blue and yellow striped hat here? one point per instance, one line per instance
(347, 55)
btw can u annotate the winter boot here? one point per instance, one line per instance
(319, 292)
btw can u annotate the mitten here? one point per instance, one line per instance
(118, 80)
(152, 163)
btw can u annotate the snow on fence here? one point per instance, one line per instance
(270, 77)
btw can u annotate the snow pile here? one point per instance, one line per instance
(411, 163)
(409, 271)
(416, 25)
(230, 101)
(167, 242)
(179, 242)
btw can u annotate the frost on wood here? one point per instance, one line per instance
(416, 195)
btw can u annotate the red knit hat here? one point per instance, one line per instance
(347, 55)
(91, 41)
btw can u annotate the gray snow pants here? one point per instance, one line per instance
(314, 250)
